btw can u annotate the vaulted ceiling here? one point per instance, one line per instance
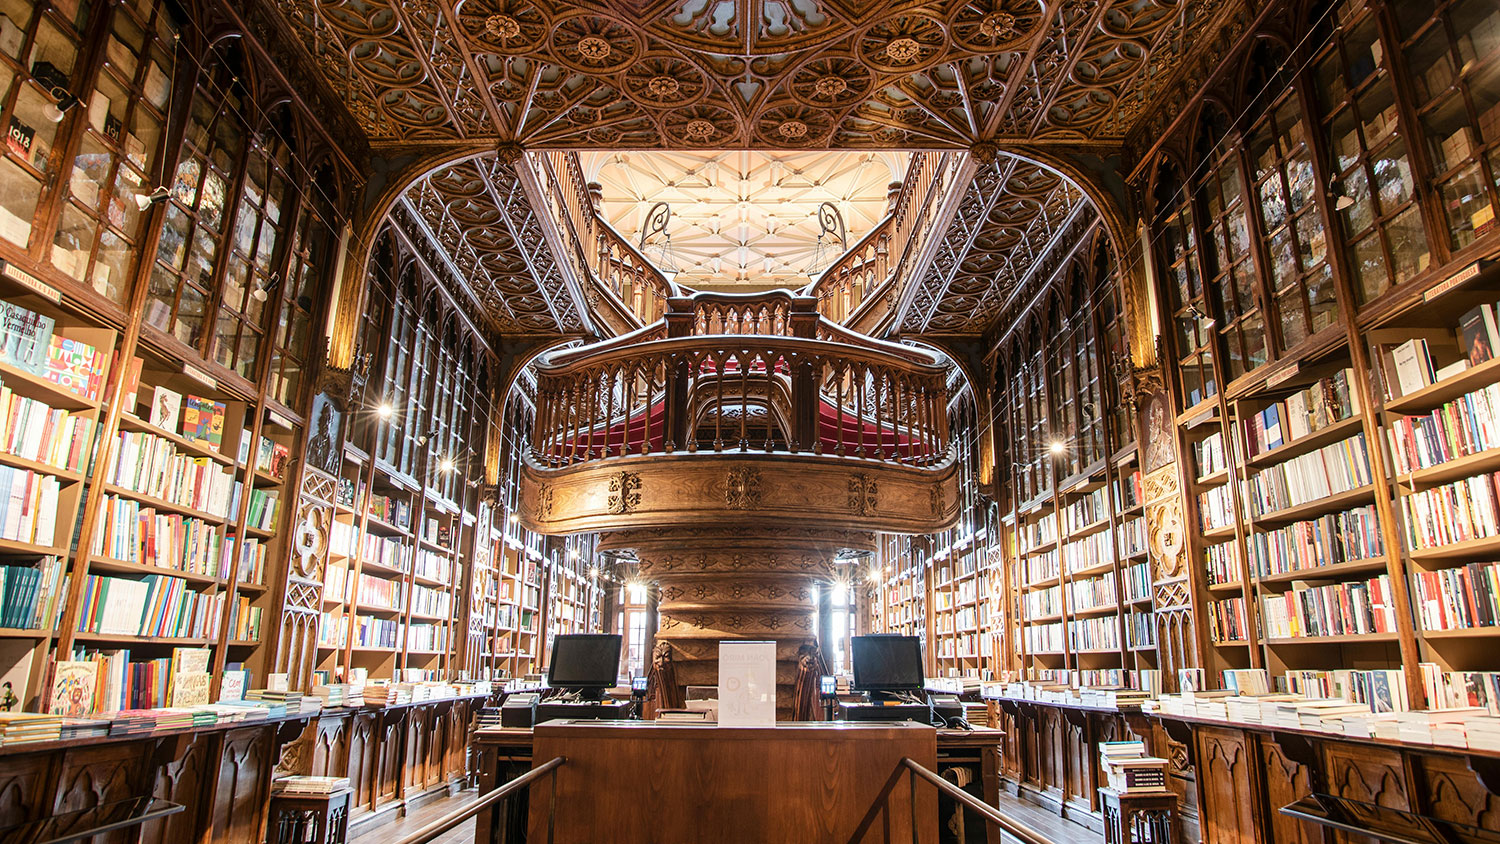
(768, 75)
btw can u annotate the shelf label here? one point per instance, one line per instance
(32, 283)
(279, 420)
(200, 376)
(1200, 418)
(1455, 280)
(1286, 374)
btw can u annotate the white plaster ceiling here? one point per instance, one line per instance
(743, 219)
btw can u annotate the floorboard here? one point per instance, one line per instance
(396, 829)
(1043, 822)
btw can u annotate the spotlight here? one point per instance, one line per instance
(1057, 447)
(427, 437)
(572, 553)
(446, 465)
(593, 571)
(261, 289)
(1342, 202)
(514, 518)
(146, 200)
(385, 411)
(54, 111)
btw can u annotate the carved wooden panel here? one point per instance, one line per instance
(389, 757)
(1447, 789)
(1227, 779)
(1078, 784)
(24, 788)
(242, 787)
(90, 776)
(1051, 769)
(419, 740)
(184, 774)
(362, 754)
(1285, 781)
(331, 747)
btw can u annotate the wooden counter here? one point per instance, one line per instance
(967, 757)
(643, 782)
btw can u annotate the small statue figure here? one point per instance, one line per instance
(8, 699)
(811, 667)
(662, 691)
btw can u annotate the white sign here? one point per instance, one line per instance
(747, 684)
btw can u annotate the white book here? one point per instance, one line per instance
(124, 604)
(1296, 415)
(1413, 365)
(46, 518)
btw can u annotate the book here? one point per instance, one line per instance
(25, 336)
(203, 420)
(19, 137)
(1474, 336)
(129, 393)
(233, 686)
(166, 405)
(74, 684)
(1413, 365)
(190, 688)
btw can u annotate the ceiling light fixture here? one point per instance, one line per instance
(385, 411)
(146, 200)
(1057, 447)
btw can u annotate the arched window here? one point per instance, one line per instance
(313, 242)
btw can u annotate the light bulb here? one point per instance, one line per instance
(1057, 447)
(446, 465)
(52, 113)
(514, 518)
(385, 411)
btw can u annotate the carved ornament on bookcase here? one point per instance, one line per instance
(624, 492)
(542, 506)
(319, 485)
(735, 562)
(297, 755)
(864, 494)
(310, 541)
(742, 488)
(734, 590)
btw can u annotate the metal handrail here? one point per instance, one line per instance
(985, 811)
(449, 821)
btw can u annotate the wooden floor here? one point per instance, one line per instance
(394, 830)
(1029, 815)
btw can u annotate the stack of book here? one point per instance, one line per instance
(28, 727)
(1128, 770)
(332, 695)
(80, 728)
(309, 785)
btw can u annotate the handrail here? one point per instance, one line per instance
(449, 821)
(985, 811)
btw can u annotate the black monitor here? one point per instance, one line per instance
(585, 662)
(887, 662)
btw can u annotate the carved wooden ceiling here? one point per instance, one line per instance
(1013, 217)
(768, 75)
(763, 74)
(744, 218)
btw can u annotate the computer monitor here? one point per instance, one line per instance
(887, 662)
(587, 663)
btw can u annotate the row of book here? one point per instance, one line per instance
(1457, 512)
(427, 637)
(428, 601)
(30, 343)
(156, 606)
(252, 559)
(29, 594)
(1132, 537)
(151, 465)
(438, 532)
(1467, 425)
(34, 430)
(1044, 638)
(1042, 566)
(1093, 593)
(1324, 403)
(1334, 609)
(1093, 550)
(370, 632)
(1136, 580)
(1459, 598)
(1327, 540)
(1227, 621)
(1216, 507)
(272, 458)
(337, 585)
(333, 629)
(1094, 634)
(1088, 509)
(1035, 534)
(244, 620)
(1128, 491)
(1041, 603)
(1340, 467)
(1222, 563)
(381, 593)
(136, 533)
(29, 506)
(264, 508)
(433, 565)
(1140, 630)
(385, 551)
(392, 511)
(1209, 454)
